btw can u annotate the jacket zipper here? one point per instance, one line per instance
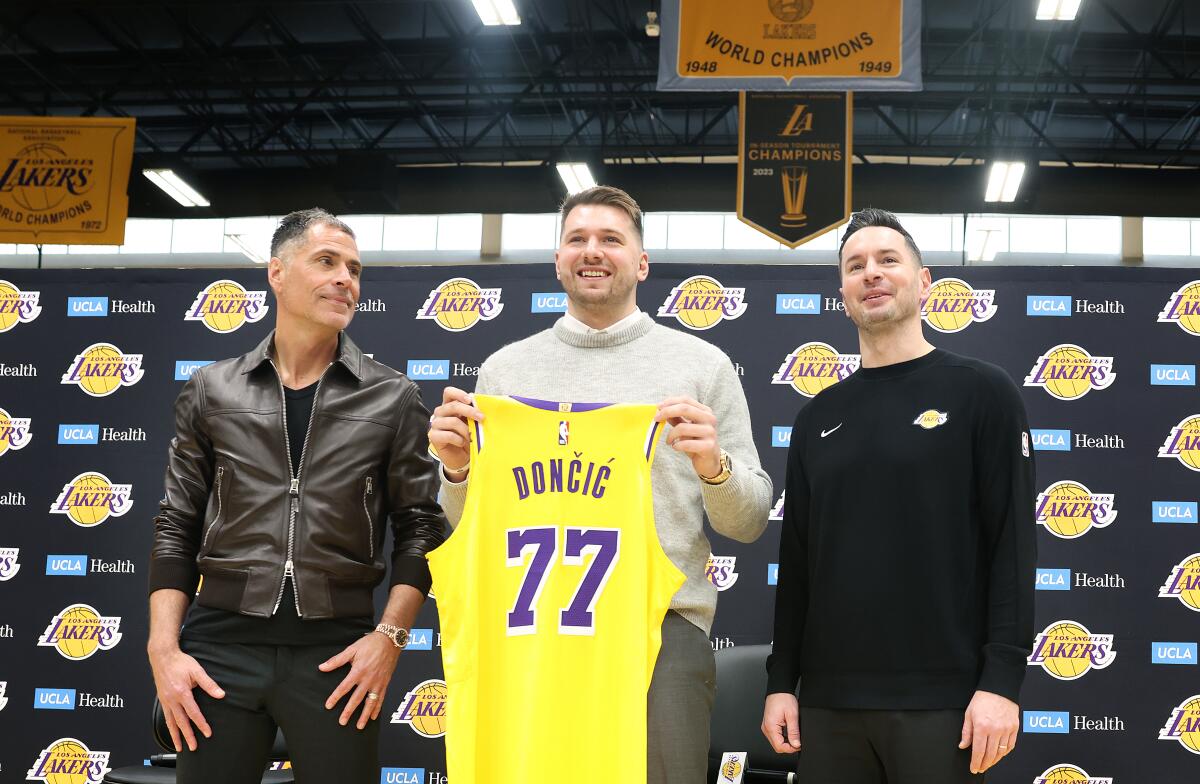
(289, 570)
(217, 518)
(368, 490)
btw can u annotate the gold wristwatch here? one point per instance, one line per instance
(397, 634)
(725, 473)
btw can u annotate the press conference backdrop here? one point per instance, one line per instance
(90, 362)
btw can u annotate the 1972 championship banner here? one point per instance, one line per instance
(781, 45)
(64, 179)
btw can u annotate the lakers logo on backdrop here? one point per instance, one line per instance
(1068, 372)
(1066, 650)
(16, 306)
(69, 761)
(424, 709)
(1069, 510)
(10, 563)
(91, 498)
(15, 432)
(1064, 773)
(225, 305)
(701, 302)
(459, 304)
(952, 305)
(1184, 725)
(1184, 583)
(1183, 308)
(102, 368)
(80, 630)
(815, 366)
(1183, 442)
(721, 571)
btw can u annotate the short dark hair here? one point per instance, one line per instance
(608, 196)
(295, 225)
(873, 216)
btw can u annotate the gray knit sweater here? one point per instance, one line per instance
(645, 362)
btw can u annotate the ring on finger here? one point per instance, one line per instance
(372, 695)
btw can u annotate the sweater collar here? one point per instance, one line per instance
(901, 368)
(616, 335)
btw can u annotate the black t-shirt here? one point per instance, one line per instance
(285, 627)
(906, 565)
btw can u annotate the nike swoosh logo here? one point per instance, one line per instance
(827, 432)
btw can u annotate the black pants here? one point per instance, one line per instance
(883, 747)
(268, 686)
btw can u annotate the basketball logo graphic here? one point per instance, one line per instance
(1184, 583)
(69, 761)
(952, 305)
(9, 563)
(424, 709)
(91, 498)
(36, 192)
(930, 419)
(1069, 510)
(1183, 442)
(79, 631)
(3, 695)
(1184, 725)
(14, 432)
(1063, 773)
(16, 306)
(777, 509)
(225, 305)
(102, 368)
(720, 571)
(1183, 308)
(701, 302)
(1069, 372)
(459, 304)
(815, 366)
(731, 770)
(1066, 650)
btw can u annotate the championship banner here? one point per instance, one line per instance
(790, 45)
(794, 164)
(64, 179)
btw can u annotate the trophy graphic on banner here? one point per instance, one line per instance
(795, 181)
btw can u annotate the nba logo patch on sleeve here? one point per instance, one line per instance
(1025, 443)
(564, 432)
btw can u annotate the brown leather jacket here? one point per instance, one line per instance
(232, 513)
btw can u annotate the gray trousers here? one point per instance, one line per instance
(679, 705)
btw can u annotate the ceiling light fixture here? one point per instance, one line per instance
(496, 12)
(576, 176)
(1003, 181)
(176, 188)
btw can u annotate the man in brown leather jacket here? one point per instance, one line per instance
(286, 465)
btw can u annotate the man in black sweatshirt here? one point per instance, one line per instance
(904, 606)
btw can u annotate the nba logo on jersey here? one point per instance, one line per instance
(564, 432)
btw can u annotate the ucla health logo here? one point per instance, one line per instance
(1064, 773)
(102, 368)
(16, 306)
(701, 302)
(225, 305)
(1183, 308)
(1068, 372)
(402, 776)
(87, 307)
(459, 304)
(952, 305)
(1174, 512)
(424, 709)
(1183, 442)
(1173, 375)
(1184, 725)
(9, 563)
(1184, 583)
(815, 366)
(1047, 722)
(69, 761)
(720, 571)
(1069, 510)
(777, 509)
(428, 369)
(1048, 305)
(91, 498)
(14, 432)
(548, 302)
(1066, 650)
(80, 630)
(798, 304)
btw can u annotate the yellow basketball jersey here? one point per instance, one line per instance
(551, 595)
